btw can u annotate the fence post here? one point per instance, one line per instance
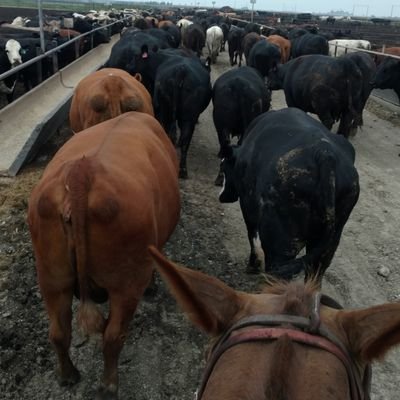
(77, 45)
(39, 65)
(40, 12)
(54, 58)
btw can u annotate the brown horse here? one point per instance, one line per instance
(288, 342)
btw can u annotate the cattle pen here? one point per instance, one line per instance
(164, 356)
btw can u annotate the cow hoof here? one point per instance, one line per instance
(151, 290)
(253, 267)
(106, 394)
(69, 379)
(183, 174)
(219, 180)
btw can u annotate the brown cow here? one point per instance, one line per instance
(165, 22)
(105, 94)
(108, 194)
(395, 51)
(284, 45)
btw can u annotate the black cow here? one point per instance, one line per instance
(248, 42)
(225, 30)
(296, 32)
(326, 86)
(368, 70)
(388, 75)
(182, 91)
(297, 186)
(99, 37)
(235, 37)
(175, 33)
(264, 56)
(194, 38)
(239, 96)
(132, 49)
(165, 39)
(309, 43)
(252, 27)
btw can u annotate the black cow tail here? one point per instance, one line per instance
(326, 208)
(245, 113)
(354, 110)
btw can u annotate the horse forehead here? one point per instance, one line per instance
(272, 304)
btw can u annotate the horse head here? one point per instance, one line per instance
(286, 342)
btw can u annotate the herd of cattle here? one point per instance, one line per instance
(112, 190)
(20, 42)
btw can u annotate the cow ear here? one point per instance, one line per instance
(210, 304)
(138, 77)
(144, 51)
(373, 331)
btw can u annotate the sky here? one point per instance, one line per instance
(361, 8)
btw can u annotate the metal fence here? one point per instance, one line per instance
(53, 52)
(78, 6)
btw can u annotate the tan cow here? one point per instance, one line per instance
(284, 45)
(105, 94)
(108, 194)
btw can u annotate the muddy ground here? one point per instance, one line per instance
(163, 356)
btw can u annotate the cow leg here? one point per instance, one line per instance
(234, 59)
(279, 244)
(325, 118)
(172, 132)
(121, 313)
(185, 138)
(320, 250)
(58, 305)
(224, 142)
(346, 120)
(250, 216)
(256, 258)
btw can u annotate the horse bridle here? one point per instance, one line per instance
(309, 331)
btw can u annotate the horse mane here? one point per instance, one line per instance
(298, 295)
(297, 300)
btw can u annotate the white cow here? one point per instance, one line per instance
(182, 24)
(214, 38)
(12, 49)
(354, 43)
(20, 21)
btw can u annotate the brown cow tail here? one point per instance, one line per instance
(78, 183)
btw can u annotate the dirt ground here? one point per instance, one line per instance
(163, 356)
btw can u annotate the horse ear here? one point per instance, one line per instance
(210, 304)
(372, 331)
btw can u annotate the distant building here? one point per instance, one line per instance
(227, 9)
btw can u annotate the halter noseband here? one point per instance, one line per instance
(309, 331)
